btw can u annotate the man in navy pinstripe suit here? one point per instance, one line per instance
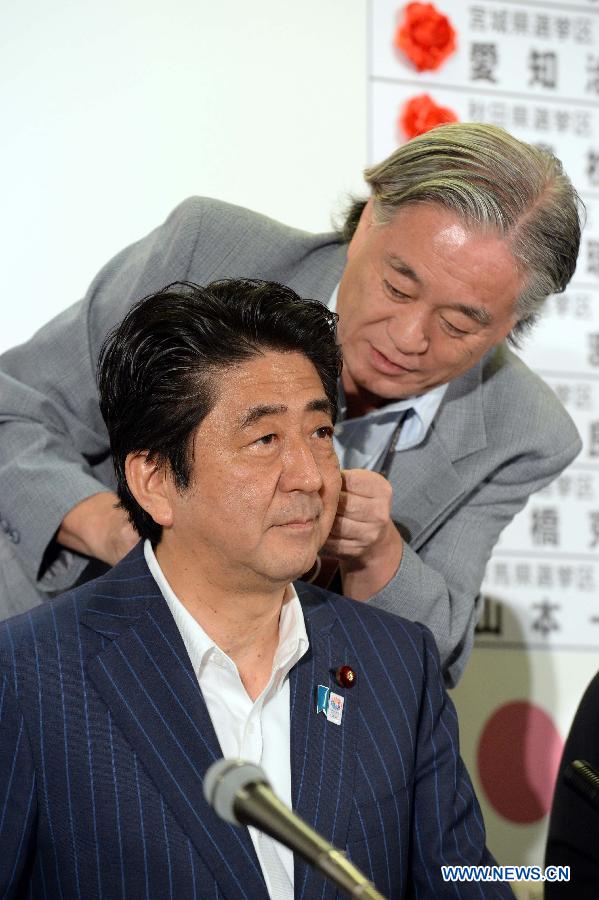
(115, 698)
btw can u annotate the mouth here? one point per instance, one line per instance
(385, 365)
(300, 524)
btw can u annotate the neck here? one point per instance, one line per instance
(241, 619)
(358, 401)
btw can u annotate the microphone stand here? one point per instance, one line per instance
(257, 805)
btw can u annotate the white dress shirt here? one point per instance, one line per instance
(361, 443)
(257, 731)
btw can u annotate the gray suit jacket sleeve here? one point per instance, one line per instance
(500, 436)
(439, 585)
(53, 442)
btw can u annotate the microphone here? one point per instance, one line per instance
(239, 792)
(584, 779)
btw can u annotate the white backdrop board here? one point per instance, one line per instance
(532, 68)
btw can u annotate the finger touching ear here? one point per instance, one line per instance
(365, 483)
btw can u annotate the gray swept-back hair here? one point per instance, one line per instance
(493, 182)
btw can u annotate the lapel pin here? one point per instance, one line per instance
(345, 676)
(322, 698)
(330, 704)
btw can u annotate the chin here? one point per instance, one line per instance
(291, 570)
(282, 578)
(398, 390)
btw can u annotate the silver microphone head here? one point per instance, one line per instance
(224, 779)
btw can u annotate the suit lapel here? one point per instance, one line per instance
(322, 753)
(457, 431)
(460, 422)
(419, 501)
(146, 679)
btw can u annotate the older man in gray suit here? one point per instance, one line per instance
(445, 433)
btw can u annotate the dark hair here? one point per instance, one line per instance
(156, 369)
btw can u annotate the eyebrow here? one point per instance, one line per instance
(478, 314)
(404, 269)
(255, 413)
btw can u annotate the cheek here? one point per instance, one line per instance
(223, 493)
(354, 339)
(456, 355)
(244, 494)
(450, 352)
(352, 310)
(370, 319)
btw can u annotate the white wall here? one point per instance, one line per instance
(112, 113)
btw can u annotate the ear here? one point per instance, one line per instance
(365, 223)
(149, 484)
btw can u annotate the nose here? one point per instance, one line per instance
(408, 331)
(300, 471)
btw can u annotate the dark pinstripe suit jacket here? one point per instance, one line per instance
(105, 739)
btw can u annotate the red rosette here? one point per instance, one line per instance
(421, 113)
(426, 36)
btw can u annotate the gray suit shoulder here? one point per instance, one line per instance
(232, 224)
(203, 240)
(233, 242)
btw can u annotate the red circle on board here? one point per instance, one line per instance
(518, 757)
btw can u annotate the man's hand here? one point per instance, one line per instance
(363, 537)
(96, 528)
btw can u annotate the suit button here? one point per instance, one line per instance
(15, 536)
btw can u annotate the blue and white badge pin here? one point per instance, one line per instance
(330, 704)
